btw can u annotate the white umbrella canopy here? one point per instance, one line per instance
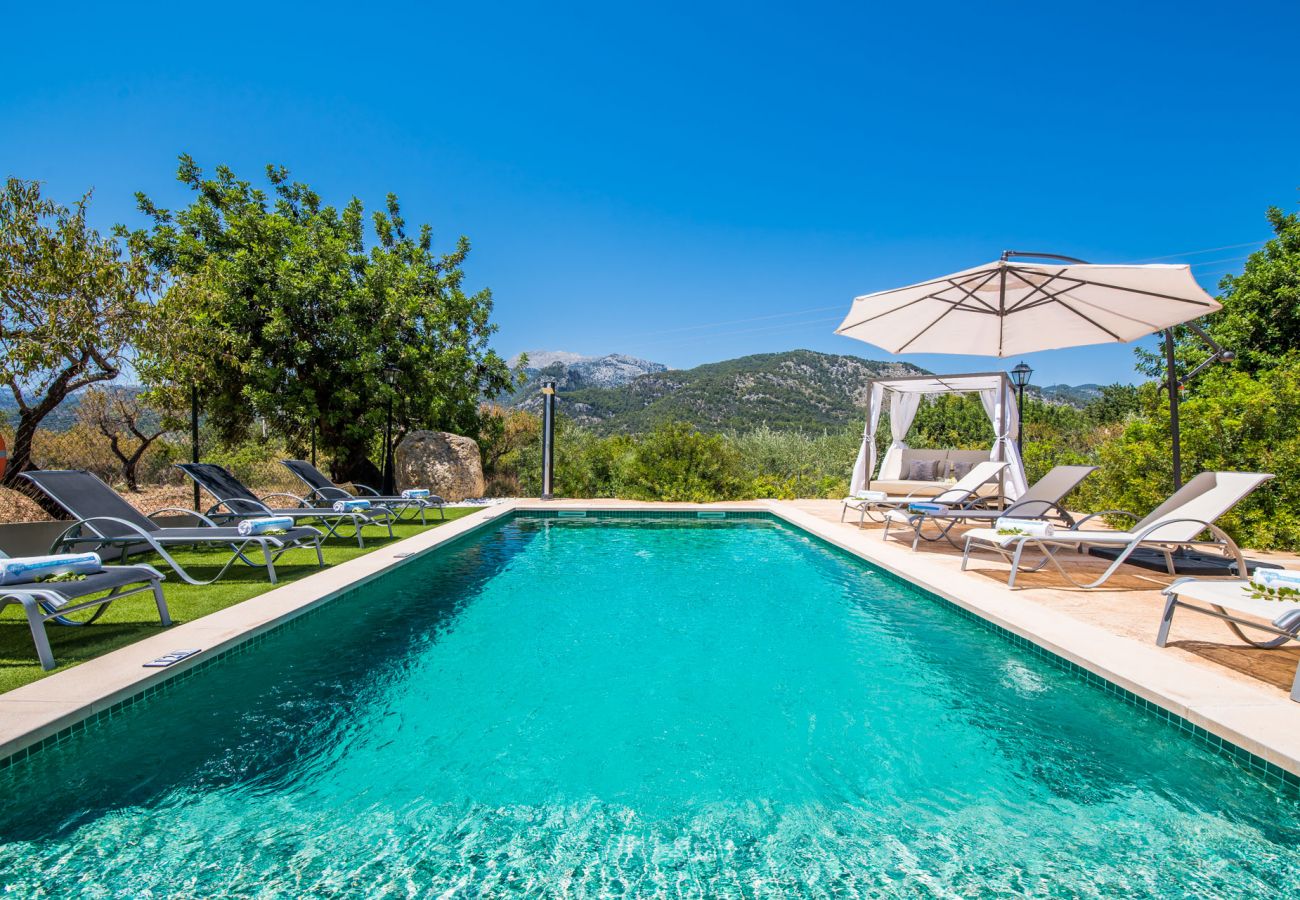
(1008, 308)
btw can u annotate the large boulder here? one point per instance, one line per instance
(447, 464)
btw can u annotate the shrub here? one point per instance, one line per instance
(676, 462)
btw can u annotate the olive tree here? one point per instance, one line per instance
(288, 309)
(71, 304)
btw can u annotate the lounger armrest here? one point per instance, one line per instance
(1149, 533)
(1107, 512)
(234, 504)
(182, 511)
(1042, 509)
(145, 536)
(366, 489)
(300, 501)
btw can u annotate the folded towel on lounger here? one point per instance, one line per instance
(1275, 578)
(254, 527)
(415, 493)
(346, 506)
(17, 569)
(868, 495)
(928, 507)
(1030, 527)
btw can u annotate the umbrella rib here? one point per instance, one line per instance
(931, 296)
(1091, 322)
(914, 337)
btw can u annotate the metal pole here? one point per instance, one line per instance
(1173, 408)
(548, 439)
(194, 435)
(388, 488)
(1020, 420)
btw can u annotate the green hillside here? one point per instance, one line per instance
(797, 389)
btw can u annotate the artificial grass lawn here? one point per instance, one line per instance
(136, 617)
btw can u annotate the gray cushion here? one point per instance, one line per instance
(961, 469)
(924, 470)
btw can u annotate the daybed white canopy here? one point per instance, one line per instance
(996, 394)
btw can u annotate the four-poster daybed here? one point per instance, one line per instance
(905, 394)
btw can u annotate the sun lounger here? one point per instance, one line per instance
(235, 501)
(1229, 601)
(1041, 501)
(53, 601)
(105, 521)
(964, 494)
(324, 489)
(1178, 522)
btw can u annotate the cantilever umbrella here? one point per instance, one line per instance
(1008, 307)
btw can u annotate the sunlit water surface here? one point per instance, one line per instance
(618, 707)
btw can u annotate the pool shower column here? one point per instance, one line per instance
(548, 438)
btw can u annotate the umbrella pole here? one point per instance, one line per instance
(1173, 408)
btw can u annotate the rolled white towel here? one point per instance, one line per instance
(346, 506)
(1276, 578)
(415, 493)
(1030, 527)
(17, 569)
(869, 495)
(254, 527)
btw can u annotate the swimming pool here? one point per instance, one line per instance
(627, 706)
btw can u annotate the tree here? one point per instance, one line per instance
(71, 302)
(131, 428)
(306, 309)
(1260, 319)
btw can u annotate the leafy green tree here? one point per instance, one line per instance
(1260, 319)
(71, 304)
(319, 322)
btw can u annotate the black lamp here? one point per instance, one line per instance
(389, 487)
(1020, 376)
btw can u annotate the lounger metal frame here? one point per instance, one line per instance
(154, 540)
(329, 492)
(236, 508)
(1033, 508)
(42, 602)
(1281, 637)
(1144, 538)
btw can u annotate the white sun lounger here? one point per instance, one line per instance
(963, 493)
(1178, 522)
(1042, 501)
(1229, 601)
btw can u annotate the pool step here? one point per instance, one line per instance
(710, 514)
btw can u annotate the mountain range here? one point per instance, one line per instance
(797, 389)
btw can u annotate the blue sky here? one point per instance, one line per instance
(631, 177)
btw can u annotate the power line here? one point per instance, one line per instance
(1197, 252)
(673, 342)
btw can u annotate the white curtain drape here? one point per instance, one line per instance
(902, 410)
(866, 461)
(1000, 405)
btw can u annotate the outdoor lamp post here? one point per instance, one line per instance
(389, 486)
(548, 439)
(1020, 376)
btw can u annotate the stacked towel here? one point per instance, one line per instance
(1031, 527)
(1276, 578)
(415, 493)
(928, 507)
(869, 495)
(254, 527)
(18, 569)
(346, 506)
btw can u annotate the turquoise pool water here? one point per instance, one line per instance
(633, 708)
